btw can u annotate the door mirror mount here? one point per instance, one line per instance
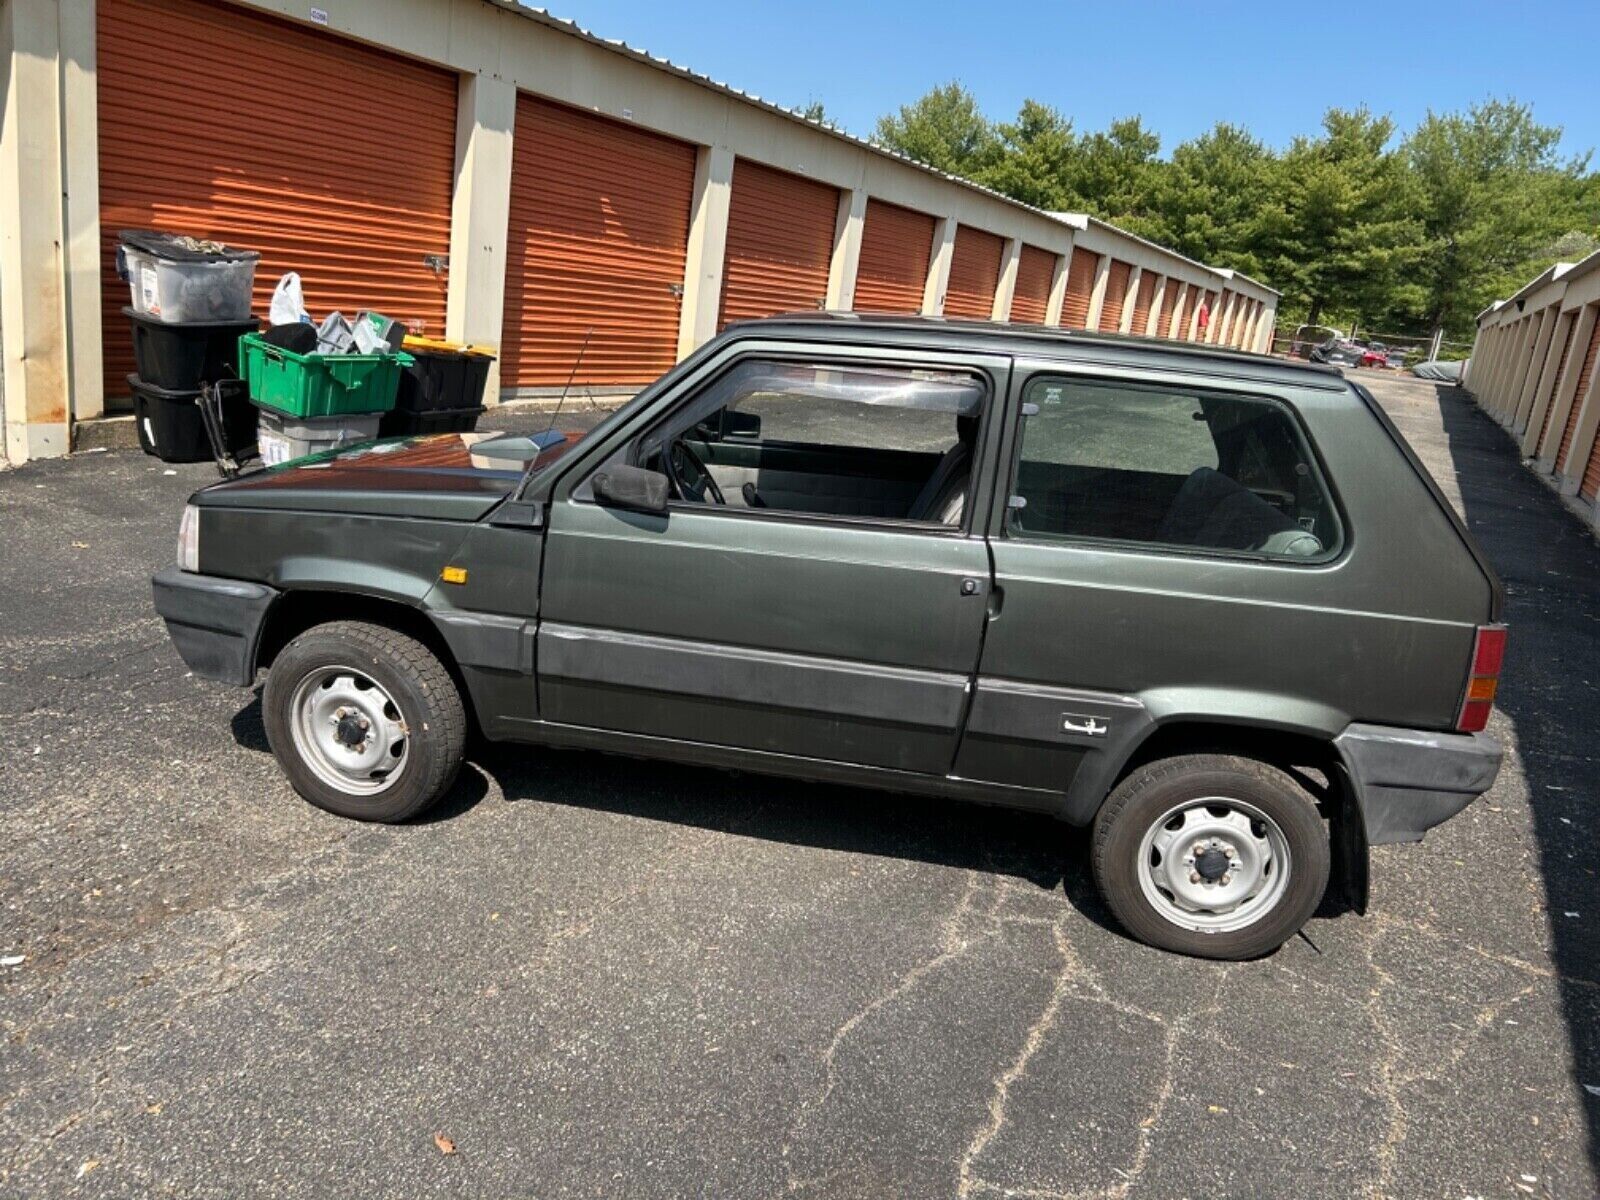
(632, 488)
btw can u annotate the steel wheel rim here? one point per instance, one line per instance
(349, 731)
(1184, 849)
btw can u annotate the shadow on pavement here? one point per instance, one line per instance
(1551, 567)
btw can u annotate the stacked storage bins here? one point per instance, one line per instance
(441, 391)
(190, 305)
(315, 402)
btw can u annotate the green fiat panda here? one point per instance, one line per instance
(1205, 602)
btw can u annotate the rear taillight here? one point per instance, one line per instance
(1488, 651)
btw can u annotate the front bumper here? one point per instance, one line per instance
(1409, 780)
(215, 623)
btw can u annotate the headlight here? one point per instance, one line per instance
(189, 539)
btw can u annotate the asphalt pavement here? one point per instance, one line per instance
(589, 976)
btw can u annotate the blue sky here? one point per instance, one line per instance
(1181, 66)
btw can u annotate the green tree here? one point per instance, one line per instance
(945, 130)
(1035, 159)
(1340, 228)
(1492, 193)
(1209, 202)
(1114, 174)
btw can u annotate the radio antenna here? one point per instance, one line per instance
(538, 447)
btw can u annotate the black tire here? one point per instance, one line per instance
(1152, 791)
(418, 684)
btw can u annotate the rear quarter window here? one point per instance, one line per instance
(1166, 466)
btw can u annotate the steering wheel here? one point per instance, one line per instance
(679, 459)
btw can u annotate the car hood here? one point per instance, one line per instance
(451, 477)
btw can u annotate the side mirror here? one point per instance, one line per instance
(632, 488)
(741, 424)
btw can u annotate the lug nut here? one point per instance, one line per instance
(1197, 849)
(1227, 879)
(1230, 851)
(1194, 876)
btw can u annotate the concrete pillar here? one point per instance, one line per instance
(1130, 300)
(1097, 298)
(847, 229)
(1182, 298)
(1220, 323)
(1058, 288)
(1152, 324)
(1565, 394)
(1540, 402)
(1491, 381)
(480, 217)
(33, 276)
(1507, 408)
(938, 281)
(1269, 322)
(708, 241)
(1007, 287)
(80, 107)
(1517, 418)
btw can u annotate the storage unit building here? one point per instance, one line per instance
(222, 141)
(490, 173)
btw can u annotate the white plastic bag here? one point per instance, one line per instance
(288, 303)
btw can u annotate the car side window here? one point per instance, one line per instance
(1167, 466)
(825, 439)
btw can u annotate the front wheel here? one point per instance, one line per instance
(365, 721)
(1212, 855)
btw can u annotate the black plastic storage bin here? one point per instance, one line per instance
(442, 379)
(403, 423)
(172, 428)
(179, 358)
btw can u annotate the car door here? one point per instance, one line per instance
(1205, 569)
(840, 633)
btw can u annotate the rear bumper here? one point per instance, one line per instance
(1409, 780)
(215, 623)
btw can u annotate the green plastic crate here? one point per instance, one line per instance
(319, 385)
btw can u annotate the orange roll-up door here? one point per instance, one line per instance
(1030, 300)
(209, 124)
(1585, 373)
(1561, 366)
(780, 242)
(1173, 309)
(598, 236)
(1080, 289)
(1116, 296)
(896, 246)
(974, 274)
(1143, 299)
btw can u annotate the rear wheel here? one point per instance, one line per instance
(365, 721)
(1212, 855)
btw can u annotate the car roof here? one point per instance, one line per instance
(1040, 340)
